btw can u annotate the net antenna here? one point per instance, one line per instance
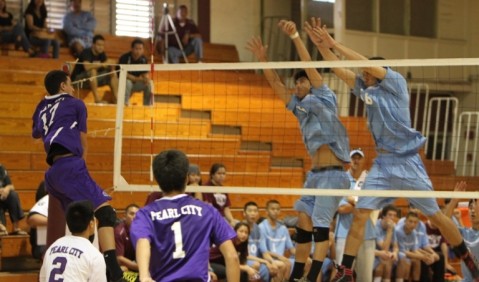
(166, 28)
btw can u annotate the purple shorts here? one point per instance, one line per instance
(68, 180)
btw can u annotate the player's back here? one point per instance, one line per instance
(73, 258)
(60, 119)
(181, 230)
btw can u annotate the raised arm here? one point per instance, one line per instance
(449, 209)
(255, 45)
(350, 54)
(313, 29)
(289, 28)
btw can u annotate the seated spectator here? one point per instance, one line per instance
(12, 32)
(78, 26)
(277, 240)
(92, 63)
(386, 254)
(37, 31)
(220, 201)
(266, 269)
(9, 201)
(125, 252)
(189, 35)
(38, 220)
(217, 261)
(137, 80)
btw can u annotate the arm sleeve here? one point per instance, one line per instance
(36, 129)
(82, 116)
(141, 228)
(228, 202)
(394, 83)
(262, 242)
(43, 275)
(289, 243)
(119, 243)
(90, 22)
(222, 231)
(97, 269)
(292, 103)
(358, 86)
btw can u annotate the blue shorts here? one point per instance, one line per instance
(393, 172)
(321, 209)
(68, 180)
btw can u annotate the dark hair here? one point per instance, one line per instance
(239, 224)
(137, 41)
(53, 80)
(3, 172)
(98, 37)
(215, 167)
(79, 215)
(388, 208)
(31, 9)
(248, 204)
(300, 74)
(171, 170)
(271, 202)
(5, 6)
(131, 206)
(376, 58)
(411, 214)
(182, 7)
(243, 255)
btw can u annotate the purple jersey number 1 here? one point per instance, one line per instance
(62, 261)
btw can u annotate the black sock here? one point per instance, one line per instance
(348, 261)
(460, 250)
(298, 271)
(315, 269)
(112, 265)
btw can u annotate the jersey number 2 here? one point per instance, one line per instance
(179, 252)
(59, 269)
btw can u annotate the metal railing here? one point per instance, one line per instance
(469, 121)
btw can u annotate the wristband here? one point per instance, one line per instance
(294, 35)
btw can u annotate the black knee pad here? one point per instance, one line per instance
(106, 216)
(303, 236)
(320, 234)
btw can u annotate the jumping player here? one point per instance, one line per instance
(325, 138)
(386, 98)
(173, 235)
(61, 121)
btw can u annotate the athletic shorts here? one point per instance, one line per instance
(68, 180)
(321, 209)
(393, 172)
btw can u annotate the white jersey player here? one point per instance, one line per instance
(73, 257)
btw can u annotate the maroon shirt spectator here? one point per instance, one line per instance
(124, 248)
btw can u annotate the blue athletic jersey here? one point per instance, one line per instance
(277, 239)
(181, 230)
(255, 241)
(60, 119)
(319, 122)
(389, 119)
(406, 242)
(471, 238)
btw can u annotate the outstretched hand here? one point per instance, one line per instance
(460, 186)
(318, 34)
(288, 27)
(255, 45)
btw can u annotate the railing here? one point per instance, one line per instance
(443, 117)
(467, 120)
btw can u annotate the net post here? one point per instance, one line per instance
(120, 106)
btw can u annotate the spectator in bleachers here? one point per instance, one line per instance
(437, 244)
(12, 32)
(37, 219)
(92, 63)
(386, 254)
(220, 201)
(37, 31)
(470, 234)
(189, 35)
(78, 26)
(365, 258)
(137, 80)
(125, 253)
(9, 201)
(277, 240)
(217, 261)
(266, 269)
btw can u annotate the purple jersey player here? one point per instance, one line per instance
(60, 120)
(173, 235)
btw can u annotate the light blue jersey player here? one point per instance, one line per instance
(398, 165)
(327, 143)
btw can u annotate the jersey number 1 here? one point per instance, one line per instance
(179, 252)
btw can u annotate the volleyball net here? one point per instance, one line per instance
(227, 113)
